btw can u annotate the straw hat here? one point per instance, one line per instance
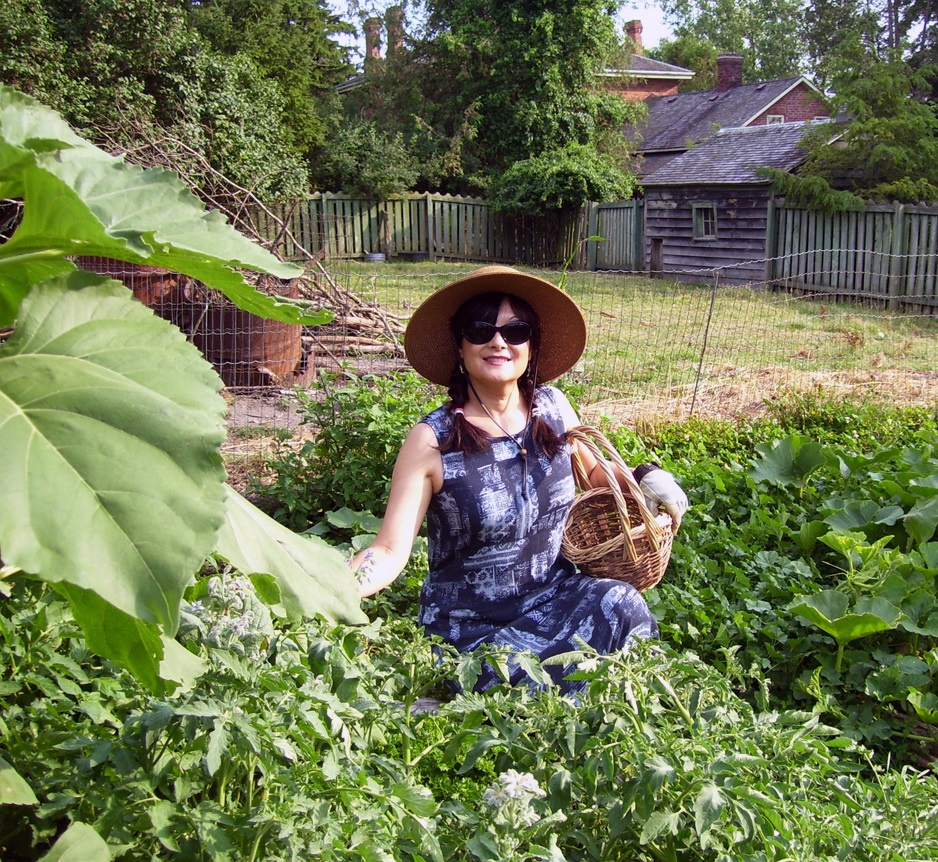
(429, 345)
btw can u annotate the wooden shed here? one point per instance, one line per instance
(708, 208)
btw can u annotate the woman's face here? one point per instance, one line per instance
(496, 361)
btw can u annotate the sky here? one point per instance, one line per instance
(653, 27)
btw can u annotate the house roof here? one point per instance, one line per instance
(641, 66)
(678, 122)
(732, 156)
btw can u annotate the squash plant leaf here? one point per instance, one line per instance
(922, 520)
(80, 200)
(110, 429)
(925, 705)
(13, 789)
(313, 577)
(787, 462)
(829, 611)
(79, 843)
(858, 514)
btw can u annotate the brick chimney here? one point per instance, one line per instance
(633, 30)
(372, 29)
(394, 21)
(729, 71)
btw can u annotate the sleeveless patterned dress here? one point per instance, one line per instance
(496, 571)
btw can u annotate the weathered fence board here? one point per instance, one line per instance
(885, 253)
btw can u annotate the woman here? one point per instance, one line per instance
(491, 471)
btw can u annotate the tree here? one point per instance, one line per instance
(889, 146)
(291, 42)
(765, 32)
(255, 107)
(690, 52)
(490, 84)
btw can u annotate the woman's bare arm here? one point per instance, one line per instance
(418, 472)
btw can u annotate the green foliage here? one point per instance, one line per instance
(369, 161)
(799, 623)
(888, 149)
(115, 488)
(290, 44)
(564, 178)
(493, 84)
(251, 98)
(360, 425)
(690, 51)
(766, 32)
(313, 741)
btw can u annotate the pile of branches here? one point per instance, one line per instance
(359, 327)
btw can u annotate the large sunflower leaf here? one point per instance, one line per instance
(110, 431)
(313, 577)
(159, 663)
(79, 200)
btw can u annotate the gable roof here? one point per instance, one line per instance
(644, 67)
(678, 122)
(732, 156)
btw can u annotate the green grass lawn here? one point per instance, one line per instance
(654, 336)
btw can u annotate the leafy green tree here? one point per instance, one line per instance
(291, 42)
(126, 70)
(694, 53)
(827, 25)
(889, 146)
(765, 32)
(487, 85)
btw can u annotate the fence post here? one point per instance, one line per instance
(638, 232)
(897, 253)
(771, 232)
(428, 208)
(592, 228)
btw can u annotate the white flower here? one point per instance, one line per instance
(519, 785)
(495, 796)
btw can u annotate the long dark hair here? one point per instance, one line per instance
(469, 438)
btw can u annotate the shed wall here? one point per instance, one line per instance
(739, 248)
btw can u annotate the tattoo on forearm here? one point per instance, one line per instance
(368, 563)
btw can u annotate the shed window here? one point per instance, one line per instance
(705, 221)
(772, 119)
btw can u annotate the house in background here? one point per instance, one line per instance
(643, 78)
(708, 209)
(678, 122)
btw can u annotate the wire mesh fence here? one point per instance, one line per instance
(658, 348)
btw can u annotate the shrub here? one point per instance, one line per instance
(360, 425)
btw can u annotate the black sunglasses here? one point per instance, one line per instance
(480, 332)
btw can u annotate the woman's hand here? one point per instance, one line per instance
(661, 490)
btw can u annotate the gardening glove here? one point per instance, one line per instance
(663, 492)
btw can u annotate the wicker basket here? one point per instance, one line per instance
(610, 532)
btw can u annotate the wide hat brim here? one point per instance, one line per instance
(429, 345)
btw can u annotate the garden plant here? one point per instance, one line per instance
(788, 711)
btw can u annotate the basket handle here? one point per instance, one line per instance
(595, 441)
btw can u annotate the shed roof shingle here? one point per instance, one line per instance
(733, 155)
(678, 122)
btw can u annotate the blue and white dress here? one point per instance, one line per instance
(497, 574)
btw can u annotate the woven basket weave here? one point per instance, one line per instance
(610, 532)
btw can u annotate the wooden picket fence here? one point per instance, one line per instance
(448, 227)
(887, 253)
